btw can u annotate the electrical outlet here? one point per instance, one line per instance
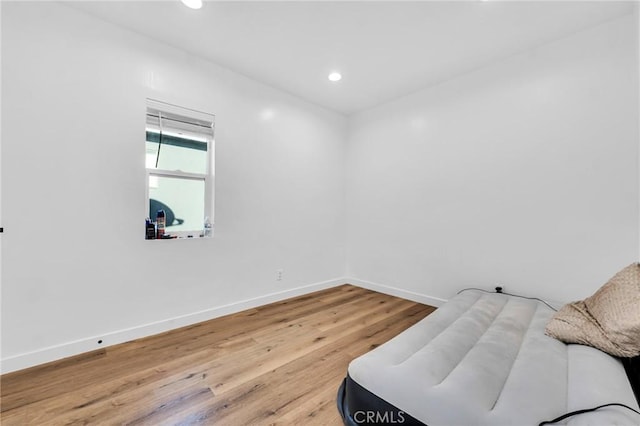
(279, 274)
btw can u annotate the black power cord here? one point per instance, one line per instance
(499, 290)
(587, 410)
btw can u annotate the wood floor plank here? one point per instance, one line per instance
(262, 399)
(321, 407)
(138, 382)
(158, 350)
(276, 364)
(284, 348)
(327, 313)
(164, 346)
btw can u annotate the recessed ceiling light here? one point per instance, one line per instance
(193, 4)
(335, 76)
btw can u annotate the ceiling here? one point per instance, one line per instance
(384, 49)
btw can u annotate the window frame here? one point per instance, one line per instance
(207, 177)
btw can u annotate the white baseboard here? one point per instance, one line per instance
(64, 350)
(397, 292)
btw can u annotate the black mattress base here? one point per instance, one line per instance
(359, 406)
(632, 367)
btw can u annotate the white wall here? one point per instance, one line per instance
(76, 266)
(523, 173)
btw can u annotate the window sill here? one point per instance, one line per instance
(181, 237)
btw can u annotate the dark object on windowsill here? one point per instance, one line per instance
(150, 228)
(168, 237)
(170, 217)
(160, 224)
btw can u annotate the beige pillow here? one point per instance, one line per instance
(609, 320)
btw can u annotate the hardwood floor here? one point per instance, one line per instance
(279, 364)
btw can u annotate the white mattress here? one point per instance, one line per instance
(483, 359)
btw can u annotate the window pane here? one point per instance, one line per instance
(177, 143)
(181, 199)
(185, 159)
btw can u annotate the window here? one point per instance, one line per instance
(179, 164)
